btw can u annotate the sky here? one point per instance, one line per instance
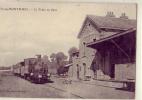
(24, 34)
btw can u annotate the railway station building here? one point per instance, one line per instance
(107, 48)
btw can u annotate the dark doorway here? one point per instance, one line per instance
(77, 71)
(112, 71)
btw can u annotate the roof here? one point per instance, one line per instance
(29, 58)
(111, 22)
(76, 52)
(68, 65)
(110, 37)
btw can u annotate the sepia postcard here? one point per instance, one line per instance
(68, 50)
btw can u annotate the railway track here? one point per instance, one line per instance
(75, 95)
(46, 86)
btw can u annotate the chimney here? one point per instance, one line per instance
(110, 14)
(123, 15)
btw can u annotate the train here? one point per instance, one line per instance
(32, 69)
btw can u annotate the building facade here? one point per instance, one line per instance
(104, 61)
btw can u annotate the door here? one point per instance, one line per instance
(84, 65)
(112, 70)
(78, 71)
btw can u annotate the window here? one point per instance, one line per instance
(84, 64)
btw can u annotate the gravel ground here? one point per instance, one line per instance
(12, 86)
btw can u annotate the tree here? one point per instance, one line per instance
(53, 57)
(71, 51)
(60, 57)
(58, 61)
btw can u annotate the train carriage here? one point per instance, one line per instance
(16, 70)
(33, 69)
(22, 68)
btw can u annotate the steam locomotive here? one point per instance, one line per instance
(32, 69)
